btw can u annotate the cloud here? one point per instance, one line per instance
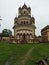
(39, 9)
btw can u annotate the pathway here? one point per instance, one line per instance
(25, 58)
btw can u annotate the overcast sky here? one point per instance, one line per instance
(9, 9)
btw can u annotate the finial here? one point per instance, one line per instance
(24, 2)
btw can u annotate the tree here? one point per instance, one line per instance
(6, 33)
(0, 36)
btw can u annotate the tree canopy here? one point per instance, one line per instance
(6, 33)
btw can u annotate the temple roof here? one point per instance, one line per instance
(19, 7)
(45, 28)
(29, 8)
(24, 6)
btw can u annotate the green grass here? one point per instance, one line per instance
(38, 53)
(13, 53)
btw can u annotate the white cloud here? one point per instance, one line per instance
(39, 8)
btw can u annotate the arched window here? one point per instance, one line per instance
(24, 22)
(21, 36)
(27, 36)
(24, 12)
(27, 22)
(30, 35)
(18, 36)
(21, 22)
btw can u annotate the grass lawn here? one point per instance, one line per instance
(13, 53)
(38, 53)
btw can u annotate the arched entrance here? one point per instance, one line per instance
(24, 38)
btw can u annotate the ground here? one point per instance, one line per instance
(22, 54)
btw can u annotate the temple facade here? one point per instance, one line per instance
(24, 25)
(45, 34)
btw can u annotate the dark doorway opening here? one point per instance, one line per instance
(24, 38)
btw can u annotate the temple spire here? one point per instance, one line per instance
(24, 6)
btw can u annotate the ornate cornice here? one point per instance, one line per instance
(28, 26)
(24, 16)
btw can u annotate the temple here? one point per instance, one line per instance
(24, 25)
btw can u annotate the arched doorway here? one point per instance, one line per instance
(24, 38)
